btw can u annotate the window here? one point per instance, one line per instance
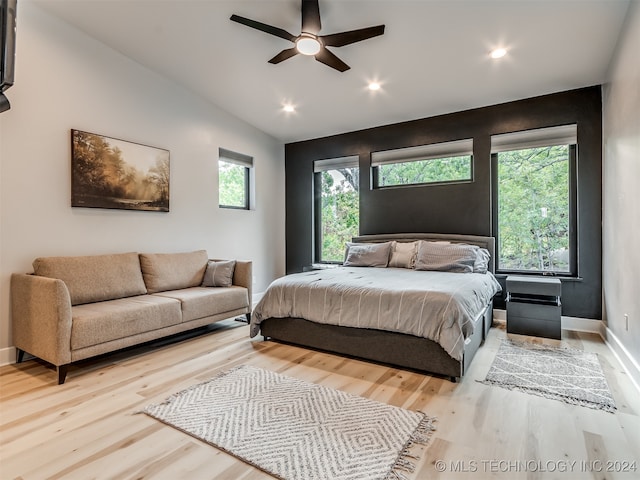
(436, 163)
(535, 201)
(337, 206)
(234, 179)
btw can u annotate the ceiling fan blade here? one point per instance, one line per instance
(263, 27)
(353, 36)
(328, 58)
(311, 17)
(283, 55)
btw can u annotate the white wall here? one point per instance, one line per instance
(621, 192)
(65, 80)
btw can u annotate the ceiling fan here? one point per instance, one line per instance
(309, 42)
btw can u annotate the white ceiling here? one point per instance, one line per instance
(432, 59)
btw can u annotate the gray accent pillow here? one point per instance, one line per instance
(446, 257)
(481, 264)
(403, 254)
(219, 273)
(367, 254)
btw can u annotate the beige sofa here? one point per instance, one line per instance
(72, 308)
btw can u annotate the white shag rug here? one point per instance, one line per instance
(295, 430)
(564, 374)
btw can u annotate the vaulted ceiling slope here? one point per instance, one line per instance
(432, 59)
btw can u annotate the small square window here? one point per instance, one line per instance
(234, 179)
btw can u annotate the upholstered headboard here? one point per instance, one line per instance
(485, 242)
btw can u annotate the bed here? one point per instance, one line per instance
(414, 316)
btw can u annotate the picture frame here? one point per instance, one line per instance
(111, 173)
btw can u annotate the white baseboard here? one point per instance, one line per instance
(630, 365)
(7, 356)
(568, 323)
(582, 325)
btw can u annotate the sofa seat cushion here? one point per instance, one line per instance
(100, 322)
(95, 278)
(171, 271)
(200, 302)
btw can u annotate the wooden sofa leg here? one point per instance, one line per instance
(19, 355)
(62, 373)
(248, 315)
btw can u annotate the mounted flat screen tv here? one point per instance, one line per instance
(7, 48)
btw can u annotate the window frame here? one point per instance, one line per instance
(245, 161)
(375, 175)
(573, 216)
(422, 153)
(320, 166)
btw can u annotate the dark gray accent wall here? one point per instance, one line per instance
(463, 208)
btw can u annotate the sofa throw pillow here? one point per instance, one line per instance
(403, 254)
(481, 265)
(219, 273)
(443, 257)
(367, 254)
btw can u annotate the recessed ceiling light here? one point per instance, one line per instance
(373, 86)
(288, 108)
(498, 53)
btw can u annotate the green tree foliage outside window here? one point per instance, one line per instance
(340, 211)
(232, 180)
(533, 209)
(437, 170)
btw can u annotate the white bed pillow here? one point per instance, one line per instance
(403, 254)
(481, 264)
(367, 254)
(446, 257)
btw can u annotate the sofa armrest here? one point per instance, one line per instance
(242, 277)
(41, 317)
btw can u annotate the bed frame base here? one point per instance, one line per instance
(406, 351)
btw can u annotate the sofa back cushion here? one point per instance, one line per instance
(172, 271)
(95, 278)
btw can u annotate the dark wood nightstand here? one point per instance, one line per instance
(533, 306)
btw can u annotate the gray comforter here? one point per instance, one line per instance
(440, 306)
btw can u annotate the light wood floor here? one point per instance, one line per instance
(87, 428)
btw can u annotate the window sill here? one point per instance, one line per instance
(564, 278)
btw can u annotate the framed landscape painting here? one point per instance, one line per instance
(111, 173)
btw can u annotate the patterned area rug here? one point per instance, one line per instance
(565, 374)
(297, 430)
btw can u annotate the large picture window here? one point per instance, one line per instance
(535, 201)
(234, 175)
(447, 162)
(337, 207)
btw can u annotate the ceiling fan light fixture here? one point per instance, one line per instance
(498, 53)
(309, 42)
(308, 45)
